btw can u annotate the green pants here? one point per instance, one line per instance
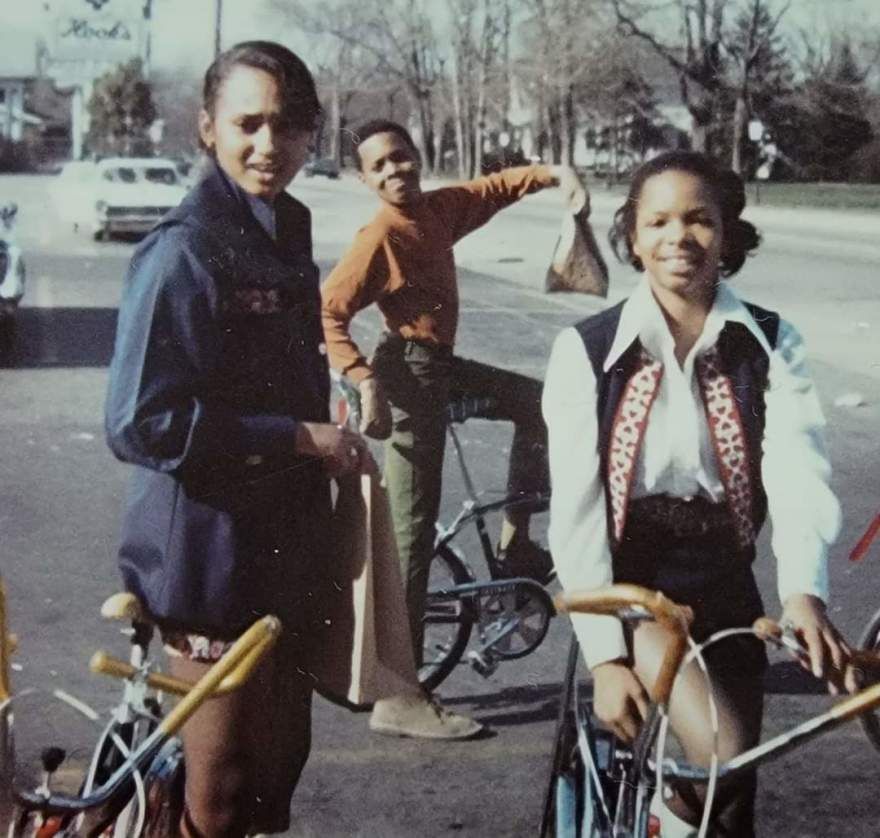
(420, 381)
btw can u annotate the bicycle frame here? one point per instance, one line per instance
(473, 511)
(230, 671)
(617, 598)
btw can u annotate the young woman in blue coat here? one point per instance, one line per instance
(218, 397)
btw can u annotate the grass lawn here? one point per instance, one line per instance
(851, 196)
(857, 197)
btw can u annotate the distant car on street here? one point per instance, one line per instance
(12, 271)
(133, 193)
(325, 166)
(118, 194)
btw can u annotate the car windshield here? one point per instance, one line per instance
(130, 174)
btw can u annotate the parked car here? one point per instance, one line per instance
(11, 267)
(325, 166)
(133, 193)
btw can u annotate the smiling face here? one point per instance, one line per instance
(678, 235)
(254, 141)
(390, 167)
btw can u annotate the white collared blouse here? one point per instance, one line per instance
(795, 470)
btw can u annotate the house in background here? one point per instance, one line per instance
(18, 72)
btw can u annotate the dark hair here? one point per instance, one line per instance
(380, 126)
(739, 236)
(297, 86)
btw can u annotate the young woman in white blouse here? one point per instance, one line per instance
(677, 420)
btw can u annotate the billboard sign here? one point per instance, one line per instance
(96, 30)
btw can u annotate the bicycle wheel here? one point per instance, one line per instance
(448, 621)
(870, 640)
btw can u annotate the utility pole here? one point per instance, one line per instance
(218, 22)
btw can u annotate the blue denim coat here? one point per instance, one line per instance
(218, 356)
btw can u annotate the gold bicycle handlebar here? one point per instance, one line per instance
(229, 673)
(104, 664)
(615, 598)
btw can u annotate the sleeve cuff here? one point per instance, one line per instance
(600, 637)
(267, 435)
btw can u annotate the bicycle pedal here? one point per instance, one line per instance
(481, 664)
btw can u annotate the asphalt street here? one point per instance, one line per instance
(62, 494)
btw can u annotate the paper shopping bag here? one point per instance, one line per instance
(577, 263)
(367, 651)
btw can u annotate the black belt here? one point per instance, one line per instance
(656, 516)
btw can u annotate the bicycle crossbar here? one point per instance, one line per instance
(241, 659)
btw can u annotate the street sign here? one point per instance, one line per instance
(756, 130)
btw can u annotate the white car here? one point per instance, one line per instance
(12, 270)
(133, 193)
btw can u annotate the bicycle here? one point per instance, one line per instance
(133, 785)
(511, 614)
(870, 639)
(601, 788)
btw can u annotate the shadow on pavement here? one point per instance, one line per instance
(787, 678)
(59, 337)
(526, 704)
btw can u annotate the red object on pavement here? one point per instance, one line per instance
(653, 827)
(861, 549)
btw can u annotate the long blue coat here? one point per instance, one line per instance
(218, 356)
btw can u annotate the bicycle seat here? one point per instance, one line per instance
(460, 410)
(125, 606)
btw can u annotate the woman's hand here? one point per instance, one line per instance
(573, 192)
(619, 699)
(342, 450)
(828, 655)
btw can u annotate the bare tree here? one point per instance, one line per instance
(696, 57)
(753, 53)
(396, 36)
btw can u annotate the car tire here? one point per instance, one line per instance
(100, 235)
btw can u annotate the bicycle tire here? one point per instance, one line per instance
(443, 648)
(870, 640)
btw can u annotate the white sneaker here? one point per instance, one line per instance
(420, 717)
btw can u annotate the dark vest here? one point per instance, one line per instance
(745, 363)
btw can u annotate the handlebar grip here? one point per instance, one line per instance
(864, 659)
(611, 600)
(104, 664)
(614, 598)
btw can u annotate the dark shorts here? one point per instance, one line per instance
(695, 560)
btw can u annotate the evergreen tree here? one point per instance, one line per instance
(121, 111)
(825, 122)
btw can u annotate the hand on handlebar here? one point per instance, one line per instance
(827, 654)
(619, 699)
(375, 410)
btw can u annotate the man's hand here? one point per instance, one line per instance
(342, 450)
(375, 410)
(574, 194)
(619, 699)
(828, 655)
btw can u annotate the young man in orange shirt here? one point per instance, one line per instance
(403, 261)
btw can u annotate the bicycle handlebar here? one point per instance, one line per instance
(237, 664)
(617, 598)
(104, 664)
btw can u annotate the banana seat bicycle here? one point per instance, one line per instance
(602, 788)
(133, 785)
(510, 613)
